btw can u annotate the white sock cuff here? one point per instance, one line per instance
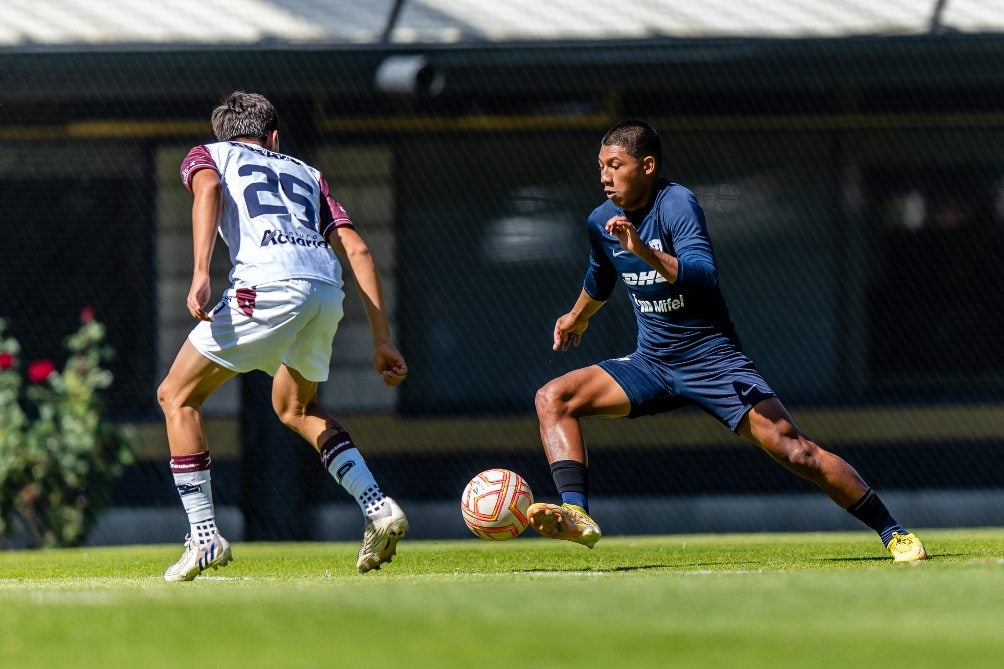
(192, 478)
(350, 471)
(196, 492)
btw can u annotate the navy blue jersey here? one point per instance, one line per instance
(675, 321)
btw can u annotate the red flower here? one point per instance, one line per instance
(86, 315)
(40, 371)
(6, 360)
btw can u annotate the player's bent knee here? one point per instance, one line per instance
(290, 414)
(801, 454)
(551, 400)
(287, 418)
(166, 396)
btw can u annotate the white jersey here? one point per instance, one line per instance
(277, 213)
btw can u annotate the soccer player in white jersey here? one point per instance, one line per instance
(285, 233)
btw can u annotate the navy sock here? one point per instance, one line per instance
(572, 480)
(576, 498)
(870, 510)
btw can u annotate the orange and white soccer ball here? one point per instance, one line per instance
(494, 504)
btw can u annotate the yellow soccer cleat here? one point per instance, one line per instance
(906, 547)
(568, 522)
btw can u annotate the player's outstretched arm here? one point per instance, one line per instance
(569, 328)
(206, 208)
(387, 360)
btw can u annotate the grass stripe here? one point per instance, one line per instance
(757, 600)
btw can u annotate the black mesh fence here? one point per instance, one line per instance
(855, 197)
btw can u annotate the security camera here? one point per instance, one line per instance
(409, 75)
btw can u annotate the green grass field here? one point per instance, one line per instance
(754, 600)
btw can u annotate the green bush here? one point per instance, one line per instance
(58, 453)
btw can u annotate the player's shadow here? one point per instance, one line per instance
(634, 567)
(701, 566)
(879, 558)
(595, 570)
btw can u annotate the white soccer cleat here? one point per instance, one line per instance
(381, 537)
(196, 559)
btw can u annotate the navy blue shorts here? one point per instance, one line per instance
(726, 384)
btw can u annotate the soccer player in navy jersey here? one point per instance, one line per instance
(651, 234)
(286, 235)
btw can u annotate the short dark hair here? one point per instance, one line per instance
(638, 138)
(245, 115)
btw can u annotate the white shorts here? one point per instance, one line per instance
(289, 322)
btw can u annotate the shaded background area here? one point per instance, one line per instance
(851, 166)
